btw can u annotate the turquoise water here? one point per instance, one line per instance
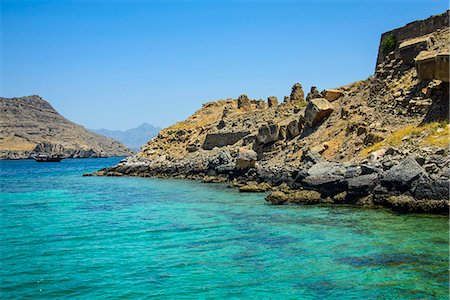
(64, 235)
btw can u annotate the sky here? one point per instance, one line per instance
(116, 64)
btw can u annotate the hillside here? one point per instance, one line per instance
(30, 125)
(379, 141)
(133, 138)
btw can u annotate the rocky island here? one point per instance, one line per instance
(30, 125)
(382, 141)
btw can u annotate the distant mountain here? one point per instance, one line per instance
(134, 137)
(30, 125)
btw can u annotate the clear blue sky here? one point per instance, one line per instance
(116, 64)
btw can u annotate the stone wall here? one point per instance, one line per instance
(415, 29)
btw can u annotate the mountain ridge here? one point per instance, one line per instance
(30, 125)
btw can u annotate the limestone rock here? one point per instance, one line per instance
(317, 110)
(254, 187)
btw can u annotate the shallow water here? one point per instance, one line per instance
(64, 235)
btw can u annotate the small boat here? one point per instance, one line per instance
(46, 158)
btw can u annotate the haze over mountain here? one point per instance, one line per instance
(133, 137)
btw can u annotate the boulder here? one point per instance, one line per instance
(268, 133)
(244, 102)
(246, 159)
(400, 176)
(294, 128)
(332, 94)
(272, 101)
(362, 185)
(328, 178)
(432, 65)
(317, 110)
(428, 188)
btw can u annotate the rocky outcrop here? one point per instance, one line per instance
(297, 94)
(272, 101)
(243, 102)
(246, 159)
(30, 125)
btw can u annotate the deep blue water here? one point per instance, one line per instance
(64, 235)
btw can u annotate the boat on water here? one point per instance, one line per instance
(47, 158)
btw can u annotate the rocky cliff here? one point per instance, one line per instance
(30, 125)
(379, 141)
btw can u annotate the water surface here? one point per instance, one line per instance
(64, 235)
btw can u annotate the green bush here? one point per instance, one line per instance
(388, 44)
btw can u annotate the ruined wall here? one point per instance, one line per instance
(415, 29)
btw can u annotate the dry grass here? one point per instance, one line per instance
(15, 143)
(436, 134)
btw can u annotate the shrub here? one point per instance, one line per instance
(388, 44)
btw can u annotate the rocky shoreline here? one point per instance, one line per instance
(403, 184)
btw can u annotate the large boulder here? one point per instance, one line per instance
(246, 159)
(317, 110)
(332, 94)
(244, 102)
(400, 176)
(326, 177)
(428, 188)
(272, 101)
(294, 128)
(432, 65)
(268, 133)
(362, 185)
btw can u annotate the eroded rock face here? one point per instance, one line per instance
(272, 101)
(317, 110)
(409, 49)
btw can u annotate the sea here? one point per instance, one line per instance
(63, 235)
